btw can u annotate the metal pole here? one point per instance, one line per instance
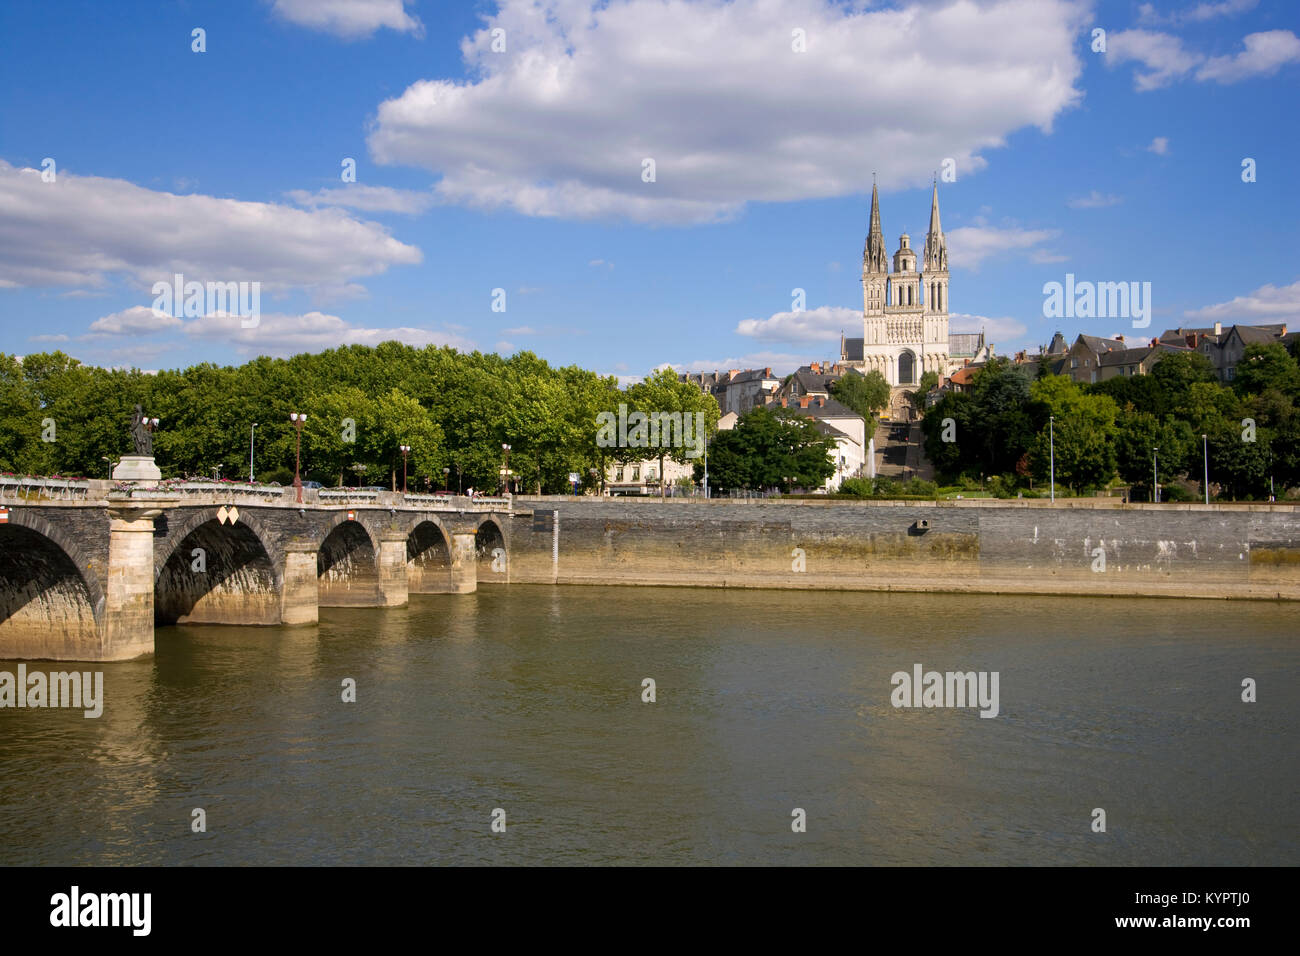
(1205, 448)
(251, 432)
(1155, 475)
(555, 546)
(706, 467)
(1051, 426)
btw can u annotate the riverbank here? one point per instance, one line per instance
(1089, 547)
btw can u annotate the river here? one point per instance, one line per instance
(529, 699)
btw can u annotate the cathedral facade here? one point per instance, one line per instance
(905, 311)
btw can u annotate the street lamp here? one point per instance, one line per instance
(298, 419)
(105, 458)
(1205, 449)
(250, 452)
(505, 467)
(1051, 433)
(446, 480)
(1155, 475)
(406, 450)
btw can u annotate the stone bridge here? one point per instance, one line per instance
(88, 576)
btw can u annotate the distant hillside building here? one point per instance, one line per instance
(1226, 347)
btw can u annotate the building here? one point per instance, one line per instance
(1225, 348)
(905, 311)
(642, 477)
(854, 455)
(1134, 361)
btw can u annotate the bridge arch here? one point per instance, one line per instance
(347, 566)
(428, 558)
(215, 573)
(492, 554)
(51, 603)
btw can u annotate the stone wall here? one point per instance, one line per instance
(1014, 547)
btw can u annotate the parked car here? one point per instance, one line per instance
(311, 484)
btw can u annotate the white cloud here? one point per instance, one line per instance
(781, 363)
(714, 94)
(350, 19)
(503, 347)
(81, 230)
(282, 335)
(1159, 146)
(1147, 13)
(1268, 305)
(822, 324)
(47, 338)
(968, 246)
(137, 320)
(519, 330)
(1161, 54)
(366, 198)
(1094, 200)
(1265, 54)
(1004, 332)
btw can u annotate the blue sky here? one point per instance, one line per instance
(521, 169)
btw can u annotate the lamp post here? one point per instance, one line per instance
(406, 450)
(505, 467)
(298, 419)
(1155, 475)
(105, 458)
(1051, 437)
(1205, 450)
(446, 479)
(250, 452)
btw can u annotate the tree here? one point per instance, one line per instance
(765, 450)
(1267, 367)
(662, 393)
(866, 394)
(1084, 431)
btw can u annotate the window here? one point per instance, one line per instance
(1074, 363)
(1231, 371)
(618, 475)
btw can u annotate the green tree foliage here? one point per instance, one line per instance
(866, 394)
(765, 450)
(992, 426)
(1084, 433)
(661, 391)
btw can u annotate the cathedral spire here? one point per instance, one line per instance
(873, 256)
(936, 247)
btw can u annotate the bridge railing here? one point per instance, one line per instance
(58, 489)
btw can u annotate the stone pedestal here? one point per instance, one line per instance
(137, 468)
(393, 588)
(299, 596)
(128, 604)
(464, 566)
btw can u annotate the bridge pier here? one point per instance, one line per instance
(393, 587)
(299, 595)
(128, 599)
(464, 564)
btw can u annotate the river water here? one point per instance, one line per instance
(529, 699)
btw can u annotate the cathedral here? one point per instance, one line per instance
(905, 312)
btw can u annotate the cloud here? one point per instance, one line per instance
(503, 347)
(968, 246)
(1159, 146)
(1265, 54)
(81, 230)
(1268, 305)
(276, 334)
(601, 262)
(1003, 332)
(47, 338)
(519, 330)
(350, 19)
(781, 363)
(137, 320)
(1161, 54)
(714, 94)
(824, 323)
(1094, 200)
(366, 198)
(1198, 14)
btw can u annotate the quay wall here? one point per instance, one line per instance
(1090, 547)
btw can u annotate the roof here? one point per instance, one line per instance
(853, 350)
(821, 408)
(826, 428)
(962, 344)
(965, 375)
(752, 375)
(1097, 344)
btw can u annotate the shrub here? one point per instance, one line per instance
(857, 487)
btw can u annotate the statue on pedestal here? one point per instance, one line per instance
(141, 434)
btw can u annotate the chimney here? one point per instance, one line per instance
(816, 368)
(767, 372)
(1119, 338)
(1218, 328)
(821, 403)
(803, 402)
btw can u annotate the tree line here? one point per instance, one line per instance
(455, 410)
(1125, 429)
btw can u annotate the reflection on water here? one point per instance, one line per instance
(529, 699)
